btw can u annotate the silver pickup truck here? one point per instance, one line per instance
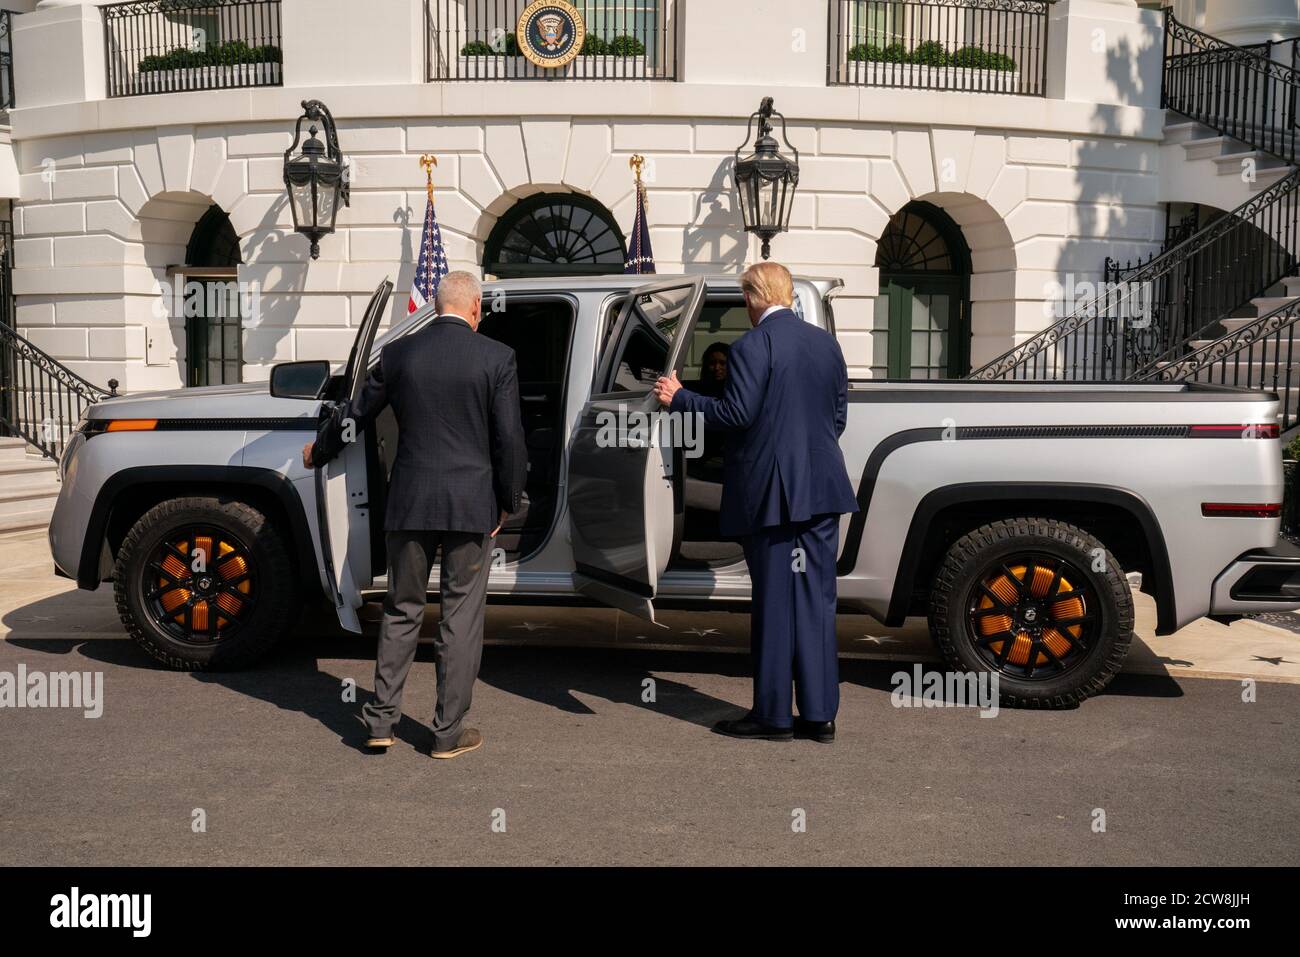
(1008, 513)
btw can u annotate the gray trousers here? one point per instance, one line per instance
(458, 648)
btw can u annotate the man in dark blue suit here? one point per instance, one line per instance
(783, 492)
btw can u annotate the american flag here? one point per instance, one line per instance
(431, 265)
(640, 257)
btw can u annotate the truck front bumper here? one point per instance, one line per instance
(1263, 579)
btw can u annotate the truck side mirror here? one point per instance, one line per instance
(300, 380)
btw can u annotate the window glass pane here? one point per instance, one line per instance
(642, 362)
(720, 325)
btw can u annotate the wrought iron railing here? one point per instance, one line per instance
(1260, 355)
(1236, 91)
(624, 40)
(1175, 297)
(6, 60)
(176, 46)
(40, 398)
(984, 46)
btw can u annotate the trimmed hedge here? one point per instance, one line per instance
(931, 53)
(219, 54)
(482, 48)
(978, 58)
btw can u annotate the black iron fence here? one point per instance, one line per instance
(40, 398)
(1262, 354)
(175, 46)
(6, 60)
(1152, 315)
(1239, 92)
(981, 46)
(624, 40)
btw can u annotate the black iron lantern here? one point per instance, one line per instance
(315, 176)
(765, 179)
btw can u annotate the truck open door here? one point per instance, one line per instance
(620, 486)
(343, 494)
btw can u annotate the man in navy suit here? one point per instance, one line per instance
(783, 492)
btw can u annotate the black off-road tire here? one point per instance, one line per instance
(270, 617)
(957, 583)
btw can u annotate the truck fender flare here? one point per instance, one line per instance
(234, 475)
(974, 492)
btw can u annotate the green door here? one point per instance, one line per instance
(921, 328)
(925, 323)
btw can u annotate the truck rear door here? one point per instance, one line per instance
(620, 486)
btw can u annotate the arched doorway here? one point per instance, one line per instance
(213, 321)
(554, 234)
(922, 315)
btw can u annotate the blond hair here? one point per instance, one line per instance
(769, 283)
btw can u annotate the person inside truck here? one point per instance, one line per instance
(713, 371)
(712, 382)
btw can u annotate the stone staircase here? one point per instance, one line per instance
(1258, 365)
(29, 485)
(1226, 154)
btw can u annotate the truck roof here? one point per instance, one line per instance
(620, 281)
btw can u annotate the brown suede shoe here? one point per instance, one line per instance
(469, 740)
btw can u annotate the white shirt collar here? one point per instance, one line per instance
(452, 315)
(768, 311)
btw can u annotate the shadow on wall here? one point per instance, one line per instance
(1107, 223)
(275, 269)
(716, 218)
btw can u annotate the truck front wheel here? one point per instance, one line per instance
(205, 583)
(1040, 603)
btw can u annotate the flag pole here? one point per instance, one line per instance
(427, 162)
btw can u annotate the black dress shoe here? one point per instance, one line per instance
(747, 727)
(823, 732)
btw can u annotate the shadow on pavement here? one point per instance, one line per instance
(293, 677)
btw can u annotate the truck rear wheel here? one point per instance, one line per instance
(205, 583)
(1040, 603)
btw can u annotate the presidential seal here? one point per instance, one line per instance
(550, 33)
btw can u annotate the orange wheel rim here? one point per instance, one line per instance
(200, 585)
(1033, 616)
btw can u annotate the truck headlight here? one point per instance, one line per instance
(70, 452)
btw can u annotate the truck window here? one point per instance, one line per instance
(645, 340)
(721, 321)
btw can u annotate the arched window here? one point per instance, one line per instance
(214, 328)
(213, 242)
(922, 315)
(554, 234)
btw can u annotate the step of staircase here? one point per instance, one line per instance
(1200, 142)
(1230, 164)
(29, 487)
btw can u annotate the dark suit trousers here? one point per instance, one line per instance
(792, 624)
(458, 648)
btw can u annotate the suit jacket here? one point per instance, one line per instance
(784, 408)
(461, 457)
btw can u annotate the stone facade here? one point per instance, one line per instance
(1043, 188)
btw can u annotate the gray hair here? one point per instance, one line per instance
(458, 288)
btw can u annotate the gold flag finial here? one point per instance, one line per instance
(636, 162)
(427, 162)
